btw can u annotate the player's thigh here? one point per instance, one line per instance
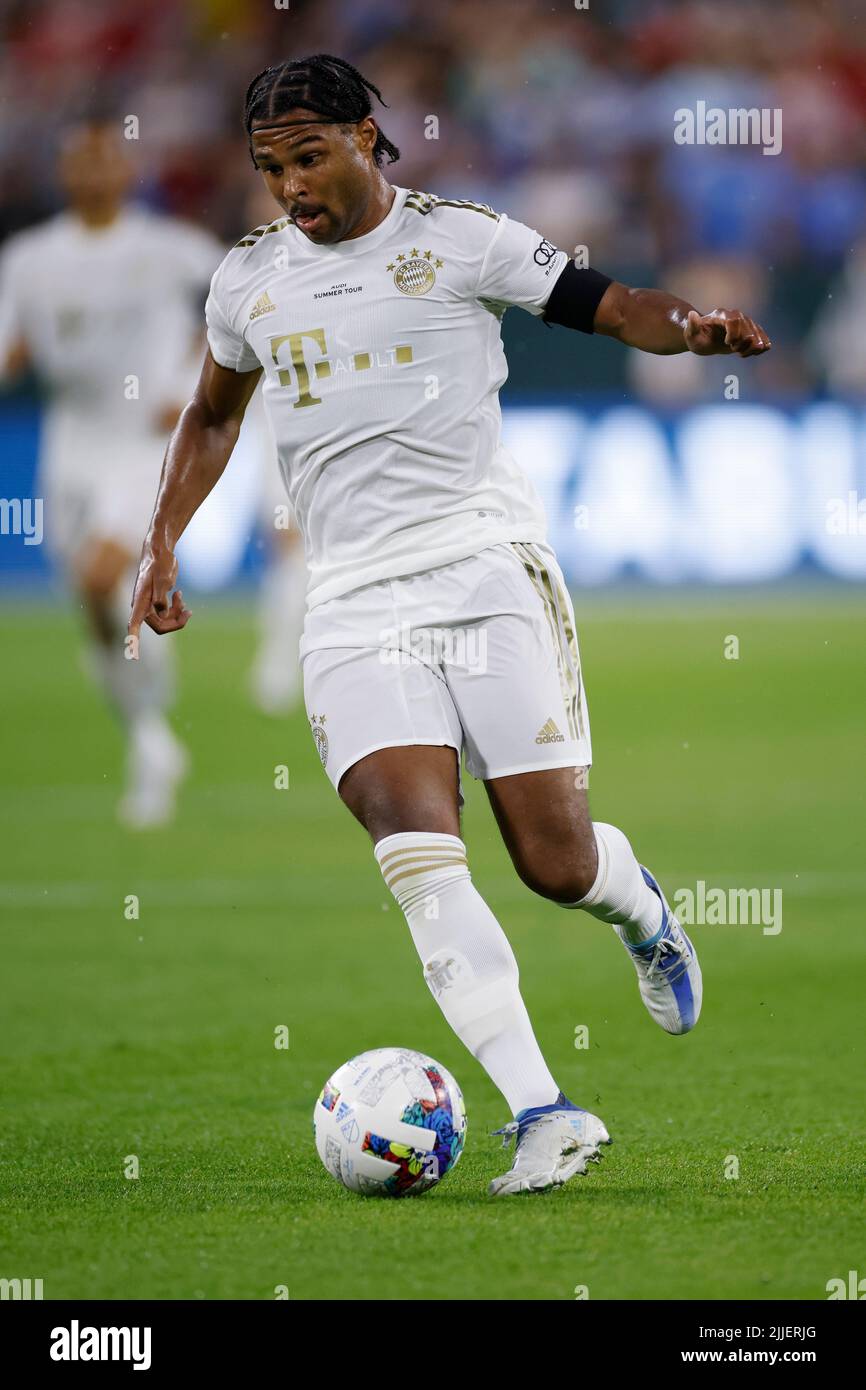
(515, 676)
(395, 790)
(546, 825)
(523, 707)
(388, 736)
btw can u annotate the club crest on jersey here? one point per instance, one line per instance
(415, 273)
(319, 735)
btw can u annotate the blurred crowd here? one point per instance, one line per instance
(561, 116)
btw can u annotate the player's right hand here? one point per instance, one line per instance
(150, 600)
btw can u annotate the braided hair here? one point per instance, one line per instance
(327, 86)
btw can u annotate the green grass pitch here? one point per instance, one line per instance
(262, 907)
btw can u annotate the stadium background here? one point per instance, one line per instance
(680, 516)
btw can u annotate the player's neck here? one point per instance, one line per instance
(377, 209)
(98, 218)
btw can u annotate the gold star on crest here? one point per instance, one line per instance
(415, 251)
(438, 263)
(427, 255)
(401, 257)
(390, 267)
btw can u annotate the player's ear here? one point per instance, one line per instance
(366, 133)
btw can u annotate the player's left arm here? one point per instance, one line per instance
(656, 321)
(651, 320)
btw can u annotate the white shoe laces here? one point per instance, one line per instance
(670, 945)
(508, 1130)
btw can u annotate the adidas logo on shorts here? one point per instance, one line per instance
(548, 733)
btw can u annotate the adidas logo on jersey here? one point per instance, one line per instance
(548, 733)
(263, 305)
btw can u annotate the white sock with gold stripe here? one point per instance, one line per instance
(468, 963)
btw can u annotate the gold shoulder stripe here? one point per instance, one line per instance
(252, 237)
(425, 203)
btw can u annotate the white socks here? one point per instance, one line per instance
(470, 967)
(620, 894)
(468, 964)
(139, 692)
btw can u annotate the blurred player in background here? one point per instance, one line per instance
(101, 301)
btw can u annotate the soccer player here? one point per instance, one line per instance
(438, 618)
(100, 301)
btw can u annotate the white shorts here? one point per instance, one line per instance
(96, 484)
(480, 655)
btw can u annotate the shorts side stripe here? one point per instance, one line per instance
(563, 609)
(540, 578)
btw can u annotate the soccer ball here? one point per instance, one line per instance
(390, 1123)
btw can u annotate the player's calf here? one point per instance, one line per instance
(100, 570)
(628, 896)
(563, 855)
(545, 823)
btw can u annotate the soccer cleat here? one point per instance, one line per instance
(554, 1143)
(668, 971)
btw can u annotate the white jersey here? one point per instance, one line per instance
(108, 316)
(383, 360)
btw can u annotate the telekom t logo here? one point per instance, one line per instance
(324, 366)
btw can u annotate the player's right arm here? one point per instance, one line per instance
(197, 454)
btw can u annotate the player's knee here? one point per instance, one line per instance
(100, 570)
(381, 815)
(562, 872)
(97, 588)
(97, 580)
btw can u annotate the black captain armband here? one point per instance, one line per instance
(575, 297)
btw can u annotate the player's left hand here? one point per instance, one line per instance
(157, 573)
(724, 331)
